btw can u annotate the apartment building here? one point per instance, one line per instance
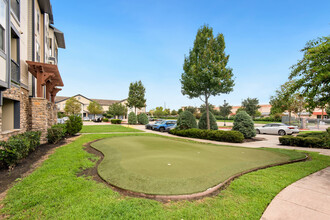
(84, 101)
(29, 77)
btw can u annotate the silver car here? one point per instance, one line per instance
(277, 128)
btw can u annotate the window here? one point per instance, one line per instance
(38, 21)
(15, 7)
(50, 42)
(38, 52)
(2, 24)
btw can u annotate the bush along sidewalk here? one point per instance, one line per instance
(18, 147)
(115, 121)
(215, 135)
(311, 140)
(57, 132)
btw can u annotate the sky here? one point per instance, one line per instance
(110, 44)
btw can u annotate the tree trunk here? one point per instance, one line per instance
(207, 113)
(135, 110)
(322, 113)
(289, 118)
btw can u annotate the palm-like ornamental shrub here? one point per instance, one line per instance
(186, 120)
(74, 124)
(202, 124)
(132, 120)
(143, 119)
(244, 124)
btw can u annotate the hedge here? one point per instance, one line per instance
(74, 124)
(186, 120)
(132, 119)
(56, 133)
(115, 121)
(244, 124)
(18, 147)
(142, 119)
(202, 123)
(216, 135)
(105, 120)
(311, 141)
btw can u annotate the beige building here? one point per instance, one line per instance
(29, 77)
(84, 101)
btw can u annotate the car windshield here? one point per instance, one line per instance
(158, 122)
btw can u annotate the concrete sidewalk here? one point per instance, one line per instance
(308, 198)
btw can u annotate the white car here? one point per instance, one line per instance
(277, 128)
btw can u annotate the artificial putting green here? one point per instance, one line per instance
(166, 166)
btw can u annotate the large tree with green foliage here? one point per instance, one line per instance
(94, 108)
(136, 96)
(312, 73)
(174, 112)
(251, 106)
(117, 109)
(191, 109)
(72, 106)
(159, 112)
(284, 99)
(205, 69)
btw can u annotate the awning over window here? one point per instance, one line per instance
(47, 75)
(319, 113)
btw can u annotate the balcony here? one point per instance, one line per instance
(15, 72)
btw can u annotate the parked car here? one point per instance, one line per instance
(98, 119)
(149, 126)
(86, 119)
(162, 126)
(277, 128)
(171, 127)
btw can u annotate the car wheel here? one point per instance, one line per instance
(281, 132)
(161, 129)
(258, 131)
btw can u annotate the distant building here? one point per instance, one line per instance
(105, 103)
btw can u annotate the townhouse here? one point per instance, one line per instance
(29, 76)
(84, 101)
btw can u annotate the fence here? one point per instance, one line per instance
(307, 123)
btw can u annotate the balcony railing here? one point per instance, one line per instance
(15, 72)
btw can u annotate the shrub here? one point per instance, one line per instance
(186, 120)
(301, 141)
(56, 133)
(18, 147)
(202, 124)
(74, 124)
(244, 124)
(115, 121)
(143, 119)
(105, 120)
(219, 135)
(132, 120)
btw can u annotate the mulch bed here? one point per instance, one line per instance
(28, 164)
(254, 139)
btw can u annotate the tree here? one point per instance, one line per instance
(205, 69)
(94, 108)
(327, 110)
(191, 109)
(72, 106)
(186, 120)
(159, 112)
(167, 112)
(244, 124)
(284, 99)
(300, 103)
(225, 110)
(202, 108)
(132, 119)
(174, 112)
(312, 72)
(142, 119)
(180, 111)
(136, 95)
(117, 109)
(202, 122)
(251, 106)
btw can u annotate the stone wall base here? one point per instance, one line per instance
(36, 114)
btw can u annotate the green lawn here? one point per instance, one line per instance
(158, 165)
(106, 129)
(306, 132)
(54, 191)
